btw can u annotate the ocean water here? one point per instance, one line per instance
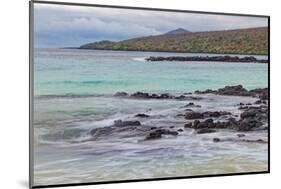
(73, 94)
(88, 72)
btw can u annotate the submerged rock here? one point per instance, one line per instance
(156, 134)
(120, 123)
(121, 94)
(198, 115)
(194, 115)
(142, 115)
(203, 131)
(241, 135)
(216, 139)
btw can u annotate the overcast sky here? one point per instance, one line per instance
(72, 26)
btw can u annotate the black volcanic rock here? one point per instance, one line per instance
(247, 59)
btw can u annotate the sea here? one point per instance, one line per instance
(74, 93)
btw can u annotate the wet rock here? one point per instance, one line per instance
(189, 104)
(165, 95)
(153, 135)
(180, 115)
(249, 113)
(195, 123)
(121, 94)
(262, 93)
(140, 95)
(236, 90)
(208, 123)
(172, 127)
(216, 139)
(101, 131)
(203, 131)
(258, 102)
(194, 115)
(188, 125)
(180, 130)
(243, 107)
(247, 124)
(181, 97)
(215, 113)
(156, 134)
(142, 115)
(256, 141)
(120, 123)
(241, 135)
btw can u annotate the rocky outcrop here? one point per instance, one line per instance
(120, 94)
(142, 115)
(157, 133)
(246, 59)
(251, 118)
(203, 131)
(198, 115)
(120, 123)
(239, 140)
(238, 90)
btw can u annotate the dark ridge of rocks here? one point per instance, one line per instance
(151, 96)
(120, 123)
(206, 130)
(144, 95)
(121, 94)
(236, 140)
(251, 118)
(142, 115)
(157, 133)
(238, 90)
(197, 115)
(247, 59)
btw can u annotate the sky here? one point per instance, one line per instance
(71, 26)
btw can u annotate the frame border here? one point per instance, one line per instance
(31, 93)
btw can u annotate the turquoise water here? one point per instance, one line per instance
(82, 72)
(75, 81)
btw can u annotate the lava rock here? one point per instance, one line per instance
(120, 123)
(203, 131)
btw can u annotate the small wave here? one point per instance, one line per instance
(141, 59)
(69, 95)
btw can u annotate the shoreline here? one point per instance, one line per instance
(155, 51)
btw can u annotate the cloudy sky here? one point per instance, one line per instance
(72, 26)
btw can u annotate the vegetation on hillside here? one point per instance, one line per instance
(240, 41)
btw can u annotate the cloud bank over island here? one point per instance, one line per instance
(71, 26)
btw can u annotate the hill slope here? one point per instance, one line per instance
(240, 41)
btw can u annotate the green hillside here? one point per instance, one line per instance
(240, 41)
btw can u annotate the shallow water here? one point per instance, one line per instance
(73, 95)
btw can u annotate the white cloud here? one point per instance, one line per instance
(95, 23)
